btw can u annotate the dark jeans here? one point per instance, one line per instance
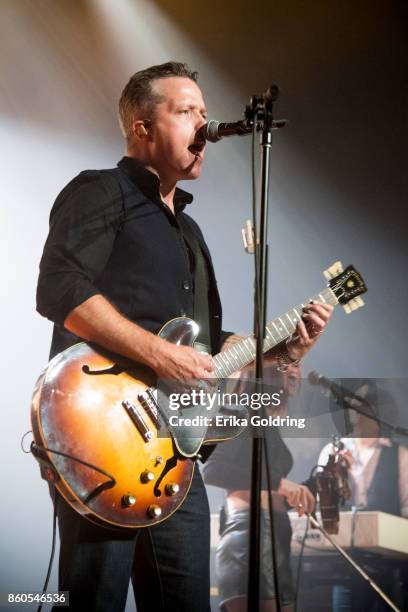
(168, 563)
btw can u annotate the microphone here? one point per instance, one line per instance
(340, 393)
(337, 390)
(344, 398)
(349, 400)
(213, 131)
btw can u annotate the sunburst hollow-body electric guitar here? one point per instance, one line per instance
(96, 420)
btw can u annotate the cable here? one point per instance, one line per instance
(37, 450)
(299, 567)
(27, 452)
(54, 532)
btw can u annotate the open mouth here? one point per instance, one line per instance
(197, 149)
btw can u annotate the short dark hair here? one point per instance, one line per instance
(139, 97)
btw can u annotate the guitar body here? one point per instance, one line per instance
(77, 409)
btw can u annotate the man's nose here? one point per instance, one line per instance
(199, 120)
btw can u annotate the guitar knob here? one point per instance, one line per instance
(172, 488)
(146, 476)
(154, 511)
(128, 500)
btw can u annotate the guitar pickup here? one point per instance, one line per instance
(138, 420)
(148, 401)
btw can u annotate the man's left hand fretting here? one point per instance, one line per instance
(315, 318)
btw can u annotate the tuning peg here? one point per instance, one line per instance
(353, 304)
(334, 270)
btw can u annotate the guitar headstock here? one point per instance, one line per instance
(347, 285)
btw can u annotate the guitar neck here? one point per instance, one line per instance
(243, 352)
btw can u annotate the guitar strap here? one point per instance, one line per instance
(201, 285)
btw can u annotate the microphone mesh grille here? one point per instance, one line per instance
(212, 131)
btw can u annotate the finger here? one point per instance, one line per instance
(310, 501)
(303, 333)
(291, 499)
(320, 309)
(206, 363)
(314, 319)
(303, 500)
(328, 308)
(297, 497)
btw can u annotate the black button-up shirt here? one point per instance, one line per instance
(111, 234)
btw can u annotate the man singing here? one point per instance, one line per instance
(122, 257)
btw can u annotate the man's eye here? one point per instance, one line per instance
(184, 111)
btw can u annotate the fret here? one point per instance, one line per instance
(251, 342)
(280, 335)
(247, 349)
(275, 341)
(331, 296)
(267, 345)
(284, 326)
(228, 367)
(251, 345)
(252, 349)
(297, 314)
(322, 298)
(293, 325)
(234, 354)
(218, 359)
(239, 346)
(268, 342)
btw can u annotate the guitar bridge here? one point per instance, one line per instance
(138, 420)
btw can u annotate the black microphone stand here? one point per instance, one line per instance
(259, 114)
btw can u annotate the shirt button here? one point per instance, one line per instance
(186, 285)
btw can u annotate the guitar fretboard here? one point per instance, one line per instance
(243, 352)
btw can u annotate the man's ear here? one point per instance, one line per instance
(139, 128)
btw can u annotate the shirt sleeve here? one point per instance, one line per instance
(83, 225)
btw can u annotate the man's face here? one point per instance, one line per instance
(172, 145)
